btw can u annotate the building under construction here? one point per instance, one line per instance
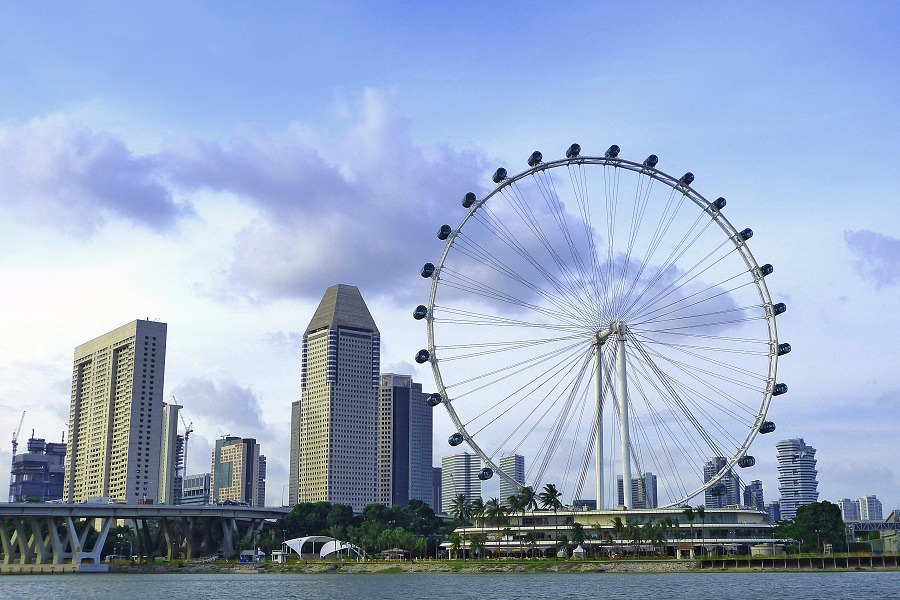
(38, 474)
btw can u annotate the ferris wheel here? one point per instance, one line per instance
(604, 320)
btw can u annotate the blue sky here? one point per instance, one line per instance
(196, 163)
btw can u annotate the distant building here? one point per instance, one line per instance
(514, 466)
(796, 476)
(727, 491)
(459, 475)
(404, 442)
(849, 509)
(115, 415)
(774, 510)
(753, 495)
(869, 508)
(195, 489)
(583, 504)
(336, 456)
(643, 491)
(171, 455)
(436, 490)
(37, 475)
(236, 472)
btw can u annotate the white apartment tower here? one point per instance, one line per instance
(514, 466)
(171, 453)
(849, 509)
(796, 476)
(459, 475)
(115, 415)
(870, 509)
(404, 442)
(336, 455)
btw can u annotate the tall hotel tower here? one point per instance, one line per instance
(796, 476)
(334, 450)
(404, 442)
(116, 414)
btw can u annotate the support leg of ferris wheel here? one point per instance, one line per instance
(598, 419)
(622, 391)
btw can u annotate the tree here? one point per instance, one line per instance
(819, 522)
(529, 499)
(476, 543)
(530, 540)
(619, 529)
(496, 515)
(688, 513)
(455, 544)
(701, 512)
(460, 508)
(577, 534)
(550, 498)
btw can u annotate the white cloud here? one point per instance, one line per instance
(877, 257)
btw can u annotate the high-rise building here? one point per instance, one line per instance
(238, 472)
(337, 451)
(195, 489)
(436, 490)
(753, 495)
(404, 442)
(796, 476)
(514, 466)
(171, 454)
(869, 508)
(849, 509)
(774, 510)
(37, 475)
(115, 415)
(459, 475)
(725, 492)
(294, 467)
(643, 491)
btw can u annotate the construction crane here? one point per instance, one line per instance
(15, 440)
(188, 428)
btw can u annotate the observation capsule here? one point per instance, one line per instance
(687, 178)
(746, 461)
(766, 269)
(456, 439)
(485, 474)
(783, 349)
(651, 161)
(535, 159)
(444, 232)
(427, 270)
(612, 152)
(719, 203)
(435, 399)
(746, 234)
(420, 312)
(499, 175)
(468, 200)
(767, 427)
(779, 308)
(573, 151)
(422, 356)
(779, 389)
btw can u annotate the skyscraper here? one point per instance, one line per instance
(37, 475)
(238, 472)
(514, 466)
(727, 491)
(753, 495)
(849, 509)
(459, 475)
(796, 476)
(337, 446)
(404, 442)
(171, 453)
(643, 491)
(115, 415)
(869, 508)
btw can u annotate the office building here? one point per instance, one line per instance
(796, 476)
(37, 475)
(115, 415)
(436, 490)
(774, 510)
(294, 466)
(514, 466)
(869, 508)
(753, 495)
(404, 442)
(171, 455)
(238, 472)
(336, 455)
(727, 491)
(643, 491)
(849, 509)
(459, 475)
(195, 489)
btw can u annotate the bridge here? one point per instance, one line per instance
(56, 534)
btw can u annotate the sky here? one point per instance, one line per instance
(217, 166)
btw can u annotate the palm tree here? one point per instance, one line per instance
(477, 509)
(476, 543)
(529, 498)
(688, 513)
(531, 540)
(701, 512)
(550, 498)
(496, 515)
(619, 529)
(577, 534)
(460, 508)
(455, 544)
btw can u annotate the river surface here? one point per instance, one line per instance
(539, 586)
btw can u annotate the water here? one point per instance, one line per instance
(700, 586)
